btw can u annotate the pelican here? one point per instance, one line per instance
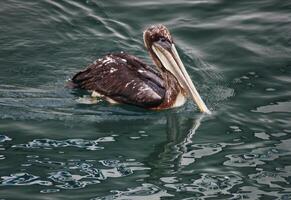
(124, 78)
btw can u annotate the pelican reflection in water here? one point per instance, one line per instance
(124, 78)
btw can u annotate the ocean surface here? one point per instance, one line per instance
(55, 144)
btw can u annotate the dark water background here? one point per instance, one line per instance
(53, 147)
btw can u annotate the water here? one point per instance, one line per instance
(54, 147)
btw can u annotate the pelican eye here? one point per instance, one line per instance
(162, 39)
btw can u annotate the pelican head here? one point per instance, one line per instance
(161, 47)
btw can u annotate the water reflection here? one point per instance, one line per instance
(173, 161)
(180, 148)
(172, 144)
(163, 154)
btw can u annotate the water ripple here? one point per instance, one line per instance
(269, 178)
(73, 174)
(236, 52)
(66, 180)
(258, 156)
(146, 191)
(209, 185)
(23, 179)
(202, 150)
(4, 138)
(79, 143)
(283, 107)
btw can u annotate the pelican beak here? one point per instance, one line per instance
(170, 59)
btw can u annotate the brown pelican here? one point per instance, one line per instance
(124, 78)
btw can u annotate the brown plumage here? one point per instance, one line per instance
(126, 79)
(123, 78)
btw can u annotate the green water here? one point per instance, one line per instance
(53, 147)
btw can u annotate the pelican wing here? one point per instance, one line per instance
(123, 78)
